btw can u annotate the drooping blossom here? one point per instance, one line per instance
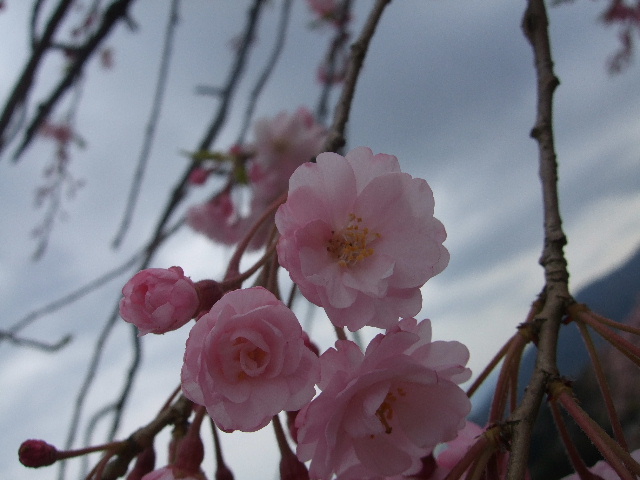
(457, 448)
(604, 470)
(380, 412)
(359, 238)
(217, 219)
(327, 11)
(281, 144)
(246, 361)
(159, 300)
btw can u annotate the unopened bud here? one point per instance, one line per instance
(145, 463)
(37, 453)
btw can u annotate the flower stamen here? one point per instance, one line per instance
(385, 411)
(351, 245)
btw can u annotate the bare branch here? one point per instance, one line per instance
(336, 138)
(154, 116)
(116, 11)
(23, 85)
(557, 297)
(268, 69)
(27, 342)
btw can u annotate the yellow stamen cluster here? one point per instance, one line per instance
(350, 245)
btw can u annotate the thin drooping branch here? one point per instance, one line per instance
(22, 87)
(150, 131)
(71, 297)
(37, 344)
(160, 234)
(60, 180)
(336, 46)
(268, 70)
(557, 297)
(336, 139)
(116, 12)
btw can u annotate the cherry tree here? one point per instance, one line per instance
(295, 216)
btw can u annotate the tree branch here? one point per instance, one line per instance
(557, 297)
(23, 85)
(154, 115)
(116, 11)
(336, 139)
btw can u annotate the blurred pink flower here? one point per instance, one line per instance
(246, 361)
(604, 470)
(158, 300)
(359, 238)
(323, 8)
(327, 10)
(281, 145)
(457, 448)
(382, 411)
(198, 176)
(217, 219)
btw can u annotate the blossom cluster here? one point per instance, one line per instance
(281, 144)
(359, 239)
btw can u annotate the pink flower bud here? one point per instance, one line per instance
(198, 176)
(37, 453)
(190, 453)
(145, 463)
(158, 300)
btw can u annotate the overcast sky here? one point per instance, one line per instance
(447, 87)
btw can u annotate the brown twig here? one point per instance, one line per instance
(23, 85)
(115, 12)
(335, 139)
(557, 297)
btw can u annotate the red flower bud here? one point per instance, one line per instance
(37, 453)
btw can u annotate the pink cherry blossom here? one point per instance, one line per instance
(359, 238)
(158, 300)
(217, 219)
(246, 361)
(281, 145)
(604, 470)
(457, 448)
(380, 412)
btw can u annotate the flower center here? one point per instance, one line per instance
(250, 357)
(350, 245)
(385, 410)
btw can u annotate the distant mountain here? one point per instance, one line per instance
(614, 296)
